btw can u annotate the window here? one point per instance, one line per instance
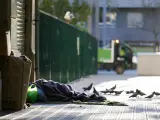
(111, 18)
(101, 15)
(100, 43)
(135, 20)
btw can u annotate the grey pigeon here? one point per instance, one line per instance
(129, 92)
(118, 92)
(150, 96)
(110, 91)
(113, 88)
(140, 92)
(135, 94)
(95, 91)
(105, 91)
(88, 88)
(157, 93)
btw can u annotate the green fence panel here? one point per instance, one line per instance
(94, 57)
(63, 54)
(55, 48)
(44, 51)
(77, 55)
(66, 53)
(81, 56)
(70, 72)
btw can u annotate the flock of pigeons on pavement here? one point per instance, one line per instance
(134, 94)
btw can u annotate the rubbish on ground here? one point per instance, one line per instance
(32, 93)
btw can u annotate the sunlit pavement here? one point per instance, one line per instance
(138, 109)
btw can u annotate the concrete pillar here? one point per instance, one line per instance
(97, 28)
(90, 2)
(104, 21)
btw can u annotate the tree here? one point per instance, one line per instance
(81, 11)
(58, 8)
(81, 27)
(47, 6)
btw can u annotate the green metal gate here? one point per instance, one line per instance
(66, 53)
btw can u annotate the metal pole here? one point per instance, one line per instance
(96, 30)
(104, 21)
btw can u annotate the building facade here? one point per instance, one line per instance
(19, 28)
(126, 20)
(93, 19)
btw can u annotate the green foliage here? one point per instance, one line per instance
(81, 27)
(47, 6)
(58, 8)
(81, 11)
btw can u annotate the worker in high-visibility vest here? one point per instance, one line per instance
(124, 55)
(122, 52)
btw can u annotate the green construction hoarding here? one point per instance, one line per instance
(65, 53)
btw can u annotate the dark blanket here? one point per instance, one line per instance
(55, 91)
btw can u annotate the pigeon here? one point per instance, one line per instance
(68, 16)
(140, 92)
(113, 88)
(110, 91)
(93, 96)
(95, 91)
(96, 98)
(129, 92)
(135, 94)
(88, 88)
(118, 92)
(150, 96)
(157, 93)
(105, 91)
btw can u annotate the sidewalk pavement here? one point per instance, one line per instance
(138, 109)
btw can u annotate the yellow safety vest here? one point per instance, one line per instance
(122, 53)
